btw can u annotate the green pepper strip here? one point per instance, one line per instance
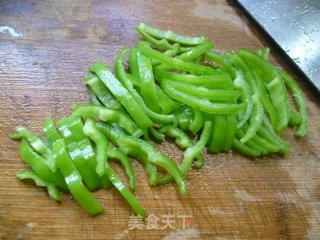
(265, 99)
(74, 181)
(230, 132)
(156, 134)
(277, 92)
(49, 130)
(197, 122)
(112, 132)
(107, 115)
(190, 55)
(192, 151)
(184, 116)
(257, 109)
(144, 47)
(300, 100)
(167, 104)
(169, 53)
(120, 72)
(263, 142)
(203, 92)
(170, 35)
(202, 104)
(251, 143)
(94, 99)
(244, 149)
(132, 145)
(239, 83)
(115, 153)
(102, 93)
(147, 84)
(37, 163)
(80, 151)
(217, 141)
(102, 144)
(122, 94)
(53, 191)
(37, 144)
(220, 81)
(294, 117)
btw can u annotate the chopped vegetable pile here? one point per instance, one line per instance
(176, 86)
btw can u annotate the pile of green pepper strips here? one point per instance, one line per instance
(233, 101)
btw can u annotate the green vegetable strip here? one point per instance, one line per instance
(147, 84)
(239, 83)
(197, 122)
(169, 53)
(167, 104)
(112, 134)
(300, 100)
(265, 99)
(133, 63)
(107, 115)
(251, 143)
(278, 97)
(184, 116)
(120, 72)
(53, 191)
(257, 109)
(217, 140)
(49, 130)
(242, 148)
(122, 94)
(270, 74)
(102, 149)
(133, 145)
(80, 150)
(202, 104)
(102, 144)
(191, 152)
(230, 131)
(169, 35)
(220, 81)
(94, 99)
(294, 117)
(115, 153)
(37, 144)
(159, 43)
(37, 163)
(156, 134)
(144, 47)
(203, 92)
(74, 181)
(100, 90)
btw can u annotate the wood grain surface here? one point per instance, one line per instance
(45, 50)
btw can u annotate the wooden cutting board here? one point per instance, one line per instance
(45, 50)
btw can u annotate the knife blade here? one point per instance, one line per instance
(295, 26)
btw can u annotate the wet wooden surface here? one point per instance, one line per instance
(43, 56)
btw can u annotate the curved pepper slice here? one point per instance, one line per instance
(102, 93)
(144, 47)
(203, 92)
(191, 152)
(74, 180)
(147, 84)
(120, 72)
(197, 122)
(170, 35)
(94, 99)
(37, 144)
(103, 166)
(202, 104)
(49, 130)
(300, 100)
(219, 80)
(270, 74)
(244, 149)
(107, 115)
(37, 163)
(122, 94)
(156, 134)
(53, 191)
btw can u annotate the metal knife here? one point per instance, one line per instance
(295, 26)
